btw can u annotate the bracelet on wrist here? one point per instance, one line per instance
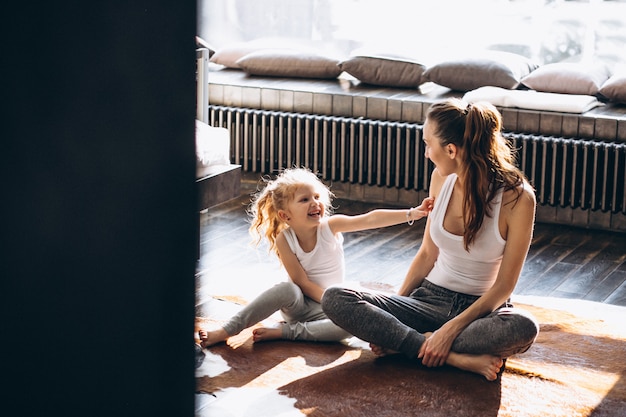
(409, 220)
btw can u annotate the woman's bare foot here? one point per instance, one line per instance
(265, 333)
(381, 351)
(209, 338)
(486, 365)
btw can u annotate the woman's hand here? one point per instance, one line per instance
(436, 348)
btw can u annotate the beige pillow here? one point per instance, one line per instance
(229, 56)
(384, 70)
(486, 68)
(567, 78)
(289, 63)
(614, 89)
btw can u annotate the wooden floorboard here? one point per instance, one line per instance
(564, 262)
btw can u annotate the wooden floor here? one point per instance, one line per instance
(563, 262)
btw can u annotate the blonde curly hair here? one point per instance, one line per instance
(275, 196)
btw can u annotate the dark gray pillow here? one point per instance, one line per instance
(487, 68)
(384, 70)
(614, 89)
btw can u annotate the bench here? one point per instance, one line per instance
(366, 141)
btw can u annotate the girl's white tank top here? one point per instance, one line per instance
(325, 264)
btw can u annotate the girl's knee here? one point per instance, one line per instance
(286, 291)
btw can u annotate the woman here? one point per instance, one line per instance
(453, 306)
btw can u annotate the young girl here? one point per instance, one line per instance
(293, 213)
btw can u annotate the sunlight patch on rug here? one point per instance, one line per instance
(298, 366)
(249, 402)
(213, 365)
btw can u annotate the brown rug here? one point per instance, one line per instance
(577, 367)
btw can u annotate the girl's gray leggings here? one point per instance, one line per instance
(398, 323)
(304, 318)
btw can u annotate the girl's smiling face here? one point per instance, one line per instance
(305, 206)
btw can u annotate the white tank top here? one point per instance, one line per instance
(325, 264)
(469, 272)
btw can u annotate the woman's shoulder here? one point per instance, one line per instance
(523, 190)
(520, 198)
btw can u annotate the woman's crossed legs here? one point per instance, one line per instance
(392, 323)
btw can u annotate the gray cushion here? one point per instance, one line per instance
(614, 89)
(385, 70)
(486, 68)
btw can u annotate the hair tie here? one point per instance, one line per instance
(468, 108)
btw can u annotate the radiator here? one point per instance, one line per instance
(574, 173)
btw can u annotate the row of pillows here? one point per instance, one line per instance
(488, 68)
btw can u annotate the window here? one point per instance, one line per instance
(545, 30)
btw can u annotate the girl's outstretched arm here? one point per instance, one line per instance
(379, 218)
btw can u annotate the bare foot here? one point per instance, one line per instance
(485, 365)
(381, 351)
(209, 338)
(265, 333)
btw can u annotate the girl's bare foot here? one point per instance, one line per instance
(265, 333)
(486, 365)
(209, 338)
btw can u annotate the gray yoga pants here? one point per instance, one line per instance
(398, 323)
(304, 318)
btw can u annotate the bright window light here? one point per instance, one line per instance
(544, 30)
